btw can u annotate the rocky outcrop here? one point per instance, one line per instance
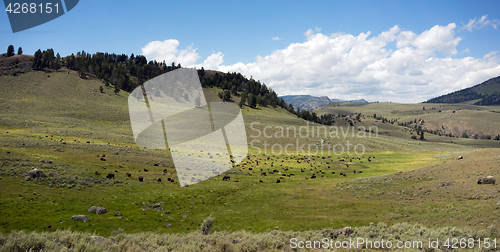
(97, 210)
(35, 173)
(487, 180)
(83, 218)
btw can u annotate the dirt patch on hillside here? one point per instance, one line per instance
(15, 64)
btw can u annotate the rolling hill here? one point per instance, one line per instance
(486, 93)
(58, 116)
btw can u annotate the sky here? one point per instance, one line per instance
(399, 51)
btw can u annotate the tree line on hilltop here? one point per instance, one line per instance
(125, 73)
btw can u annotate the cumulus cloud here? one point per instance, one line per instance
(480, 23)
(347, 66)
(167, 51)
(395, 65)
(212, 62)
(275, 38)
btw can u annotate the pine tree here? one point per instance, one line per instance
(10, 51)
(19, 51)
(37, 60)
(252, 101)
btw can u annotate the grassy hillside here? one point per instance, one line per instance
(440, 119)
(59, 117)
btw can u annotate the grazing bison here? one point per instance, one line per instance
(159, 179)
(103, 159)
(169, 179)
(313, 176)
(128, 174)
(141, 179)
(226, 178)
(261, 181)
(278, 181)
(110, 176)
(146, 170)
(97, 173)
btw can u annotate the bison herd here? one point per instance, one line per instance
(129, 175)
(317, 165)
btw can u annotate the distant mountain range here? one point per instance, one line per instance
(308, 102)
(486, 93)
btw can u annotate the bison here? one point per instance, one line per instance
(97, 173)
(226, 178)
(110, 176)
(141, 179)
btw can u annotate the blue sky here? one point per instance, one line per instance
(233, 34)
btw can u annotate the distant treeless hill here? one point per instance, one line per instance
(308, 102)
(487, 93)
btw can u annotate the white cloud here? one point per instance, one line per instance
(167, 51)
(480, 23)
(212, 62)
(275, 38)
(346, 66)
(395, 65)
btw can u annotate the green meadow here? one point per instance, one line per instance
(61, 118)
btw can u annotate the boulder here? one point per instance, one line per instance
(487, 180)
(342, 231)
(83, 218)
(54, 174)
(35, 173)
(97, 210)
(443, 184)
(460, 157)
(45, 161)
